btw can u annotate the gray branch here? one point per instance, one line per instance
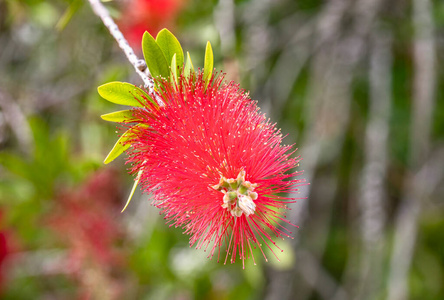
(406, 227)
(16, 119)
(139, 64)
(372, 189)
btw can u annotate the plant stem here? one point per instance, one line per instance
(139, 64)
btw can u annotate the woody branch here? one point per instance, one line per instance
(139, 64)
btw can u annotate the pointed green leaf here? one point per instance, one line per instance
(124, 93)
(170, 46)
(174, 69)
(154, 57)
(136, 182)
(208, 65)
(188, 66)
(121, 116)
(118, 148)
(68, 14)
(15, 164)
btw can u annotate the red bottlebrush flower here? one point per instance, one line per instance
(215, 165)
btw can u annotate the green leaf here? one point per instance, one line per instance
(174, 69)
(154, 57)
(15, 164)
(170, 46)
(208, 65)
(68, 14)
(123, 116)
(118, 148)
(188, 66)
(136, 182)
(123, 93)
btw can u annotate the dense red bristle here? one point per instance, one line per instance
(199, 135)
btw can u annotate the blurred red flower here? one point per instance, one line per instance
(4, 251)
(139, 16)
(215, 165)
(87, 221)
(87, 218)
(9, 245)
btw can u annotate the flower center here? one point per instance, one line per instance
(238, 195)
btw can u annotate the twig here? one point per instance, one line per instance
(323, 88)
(258, 40)
(297, 50)
(372, 191)
(17, 121)
(406, 227)
(257, 33)
(224, 19)
(139, 64)
(318, 278)
(38, 263)
(333, 68)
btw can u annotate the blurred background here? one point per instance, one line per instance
(356, 84)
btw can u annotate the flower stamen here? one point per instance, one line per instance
(238, 195)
